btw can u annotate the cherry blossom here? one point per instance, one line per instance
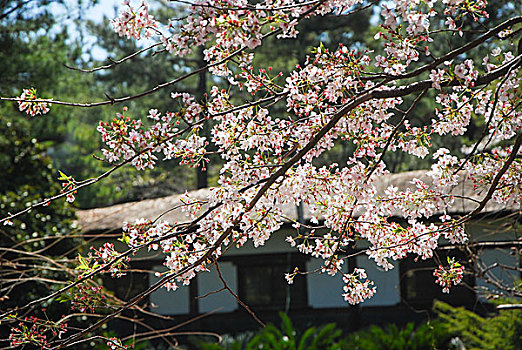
(356, 290)
(448, 276)
(37, 332)
(32, 108)
(135, 23)
(254, 143)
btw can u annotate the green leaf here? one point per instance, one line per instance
(64, 298)
(84, 264)
(63, 177)
(125, 239)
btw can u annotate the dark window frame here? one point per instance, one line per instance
(418, 287)
(277, 264)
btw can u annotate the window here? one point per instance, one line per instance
(262, 284)
(128, 286)
(418, 287)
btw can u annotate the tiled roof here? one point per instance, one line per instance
(111, 218)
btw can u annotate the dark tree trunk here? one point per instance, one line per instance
(201, 170)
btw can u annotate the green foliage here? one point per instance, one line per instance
(32, 240)
(430, 335)
(498, 331)
(28, 176)
(286, 338)
(454, 328)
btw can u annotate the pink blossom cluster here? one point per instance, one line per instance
(35, 331)
(230, 24)
(129, 139)
(510, 183)
(104, 257)
(32, 108)
(455, 115)
(115, 344)
(135, 23)
(443, 171)
(506, 119)
(392, 241)
(180, 250)
(144, 231)
(415, 140)
(69, 186)
(358, 287)
(453, 274)
(456, 234)
(87, 298)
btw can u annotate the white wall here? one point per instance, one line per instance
(387, 282)
(210, 282)
(324, 291)
(169, 303)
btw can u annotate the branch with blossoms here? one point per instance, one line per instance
(31, 104)
(120, 26)
(362, 288)
(388, 93)
(337, 95)
(40, 270)
(85, 295)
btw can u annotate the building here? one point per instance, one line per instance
(256, 275)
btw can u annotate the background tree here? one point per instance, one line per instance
(36, 250)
